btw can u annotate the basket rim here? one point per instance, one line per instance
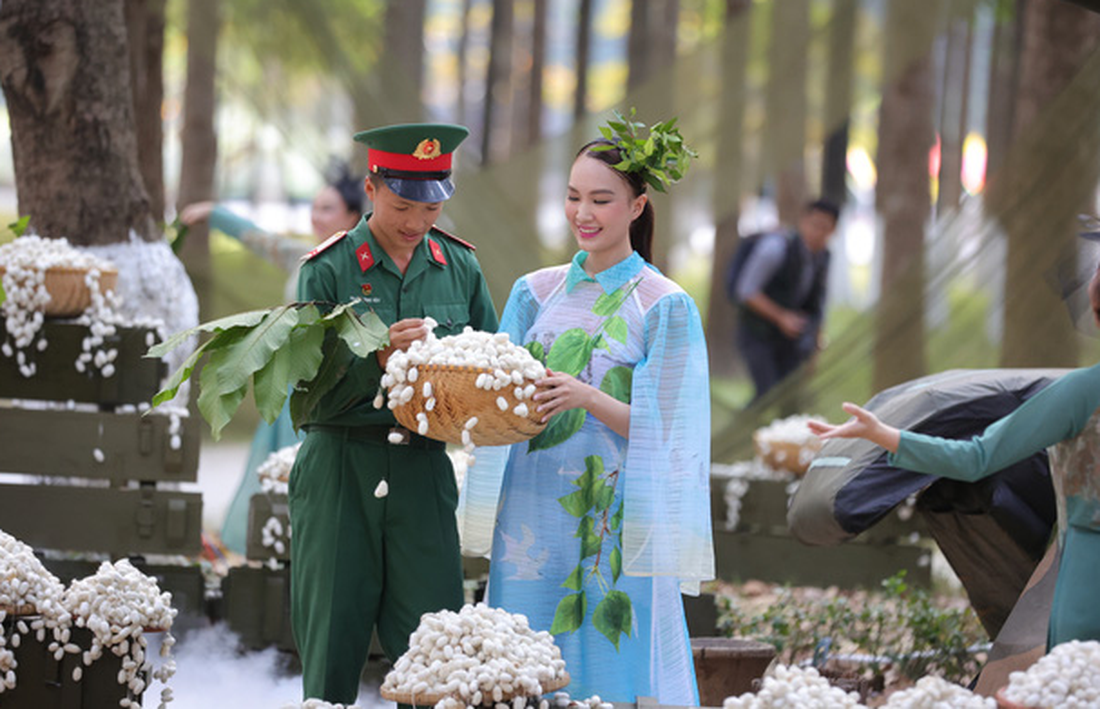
(426, 699)
(70, 269)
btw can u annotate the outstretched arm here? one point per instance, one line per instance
(863, 424)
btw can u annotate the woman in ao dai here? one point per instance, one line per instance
(604, 518)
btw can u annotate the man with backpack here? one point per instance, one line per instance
(777, 280)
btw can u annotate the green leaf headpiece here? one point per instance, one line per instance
(662, 155)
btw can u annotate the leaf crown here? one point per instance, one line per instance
(657, 151)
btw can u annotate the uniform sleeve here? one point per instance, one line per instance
(761, 265)
(667, 525)
(315, 282)
(283, 251)
(1055, 414)
(477, 504)
(483, 316)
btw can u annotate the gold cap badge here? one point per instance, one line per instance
(427, 149)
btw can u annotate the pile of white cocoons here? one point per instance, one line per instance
(480, 656)
(934, 692)
(1067, 676)
(789, 686)
(117, 604)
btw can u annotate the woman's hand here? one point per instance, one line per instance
(863, 424)
(559, 392)
(402, 334)
(197, 212)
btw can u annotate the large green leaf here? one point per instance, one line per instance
(362, 333)
(618, 382)
(617, 518)
(236, 364)
(560, 428)
(297, 361)
(570, 352)
(336, 358)
(569, 614)
(249, 319)
(608, 303)
(218, 406)
(613, 616)
(605, 495)
(180, 375)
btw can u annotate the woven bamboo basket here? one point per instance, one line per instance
(457, 399)
(786, 455)
(69, 295)
(428, 699)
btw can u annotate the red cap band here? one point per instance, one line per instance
(408, 163)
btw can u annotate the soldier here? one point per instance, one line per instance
(362, 556)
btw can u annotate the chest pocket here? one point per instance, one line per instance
(452, 317)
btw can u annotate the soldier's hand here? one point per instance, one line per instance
(402, 334)
(792, 324)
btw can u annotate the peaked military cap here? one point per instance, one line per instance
(414, 159)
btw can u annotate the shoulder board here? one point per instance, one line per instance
(452, 237)
(325, 244)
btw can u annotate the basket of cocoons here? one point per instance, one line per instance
(474, 388)
(479, 656)
(787, 444)
(52, 277)
(1067, 676)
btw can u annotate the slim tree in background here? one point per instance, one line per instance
(584, 40)
(903, 196)
(145, 32)
(1048, 178)
(838, 100)
(199, 143)
(498, 88)
(785, 130)
(728, 183)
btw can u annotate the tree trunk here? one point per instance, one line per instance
(145, 30)
(401, 69)
(728, 185)
(533, 133)
(838, 101)
(956, 86)
(460, 58)
(498, 89)
(199, 145)
(1004, 70)
(64, 69)
(584, 39)
(785, 132)
(903, 195)
(1049, 178)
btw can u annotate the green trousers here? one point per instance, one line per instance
(359, 561)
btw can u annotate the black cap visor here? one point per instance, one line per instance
(419, 190)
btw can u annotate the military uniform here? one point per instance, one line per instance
(359, 559)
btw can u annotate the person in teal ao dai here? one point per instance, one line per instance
(604, 517)
(1064, 417)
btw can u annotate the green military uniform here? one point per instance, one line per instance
(359, 560)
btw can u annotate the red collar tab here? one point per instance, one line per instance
(325, 244)
(426, 159)
(366, 258)
(437, 252)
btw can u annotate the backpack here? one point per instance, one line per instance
(740, 257)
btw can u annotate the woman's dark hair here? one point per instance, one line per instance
(641, 229)
(349, 187)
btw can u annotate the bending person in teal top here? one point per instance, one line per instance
(337, 207)
(1064, 417)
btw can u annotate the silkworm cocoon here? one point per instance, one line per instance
(471, 422)
(422, 428)
(520, 410)
(382, 489)
(379, 400)
(429, 405)
(502, 403)
(395, 437)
